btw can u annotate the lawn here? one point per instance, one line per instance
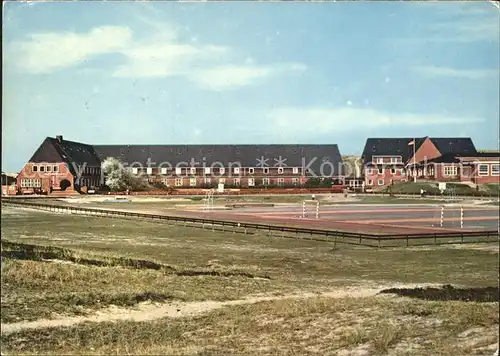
(59, 266)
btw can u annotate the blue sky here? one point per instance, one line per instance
(159, 73)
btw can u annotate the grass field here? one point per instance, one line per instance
(87, 285)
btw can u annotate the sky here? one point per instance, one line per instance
(247, 72)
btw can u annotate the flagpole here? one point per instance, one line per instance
(414, 161)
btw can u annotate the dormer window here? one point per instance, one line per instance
(42, 168)
(35, 168)
(280, 170)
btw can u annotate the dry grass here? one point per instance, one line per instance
(185, 264)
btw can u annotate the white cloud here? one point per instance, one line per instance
(231, 76)
(436, 71)
(290, 121)
(46, 52)
(155, 51)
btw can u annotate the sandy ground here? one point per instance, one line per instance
(152, 311)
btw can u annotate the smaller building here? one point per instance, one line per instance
(390, 160)
(60, 165)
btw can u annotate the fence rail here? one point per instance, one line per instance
(243, 226)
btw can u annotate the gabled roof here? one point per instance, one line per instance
(389, 147)
(458, 145)
(244, 155)
(54, 150)
(400, 146)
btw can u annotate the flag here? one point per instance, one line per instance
(412, 142)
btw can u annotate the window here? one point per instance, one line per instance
(251, 170)
(164, 181)
(450, 170)
(380, 182)
(236, 181)
(380, 171)
(495, 169)
(207, 181)
(178, 182)
(178, 170)
(192, 170)
(192, 182)
(35, 168)
(135, 170)
(207, 170)
(265, 181)
(281, 181)
(380, 160)
(251, 182)
(42, 168)
(394, 160)
(295, 181)
(164, 170)
(483, 170)
(237, 170)
(393, 171)
(222, 171)
(369, 171)
(149, 170)
(295, 170)
(370, 182)
(266, 170)
(55, 169)
(49, 168)
(280, 170)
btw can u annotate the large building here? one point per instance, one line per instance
(59, 164)
(389, 160)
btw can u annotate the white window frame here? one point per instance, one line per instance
(479, 169)
(380, 180)
(251, 182)
(236, 170)
(192, 170)
(207, 170)
(135, 170)
(280, 170)
(295, 170)
(295, 181)
(149, 170)
(164, 170)
(251, 170)
(380, 160)
(447, 169)
(394, 171)
(265, 181)
(394, 160)
(164, 181)
(380, 171)
(40, 168)
(48, 169)
(192, 182)
(266, 170)
(35, 168)
(370, 182)
(178, 170)
(236, 181)
(179, 182)
(207, 181)
(222, 170)
(281, 181)
(492, 171)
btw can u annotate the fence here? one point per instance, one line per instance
(336, 236)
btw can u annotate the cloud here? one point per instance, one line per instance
(47, 52)
(154, 50)
(436, 71)
(290, 121)
(231, 76)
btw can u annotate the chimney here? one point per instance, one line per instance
(59, 138)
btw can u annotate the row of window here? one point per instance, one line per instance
(179, 182)
(209, 170)
(483, 170)
(31, 183)
(380, 160)
(45, 168)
